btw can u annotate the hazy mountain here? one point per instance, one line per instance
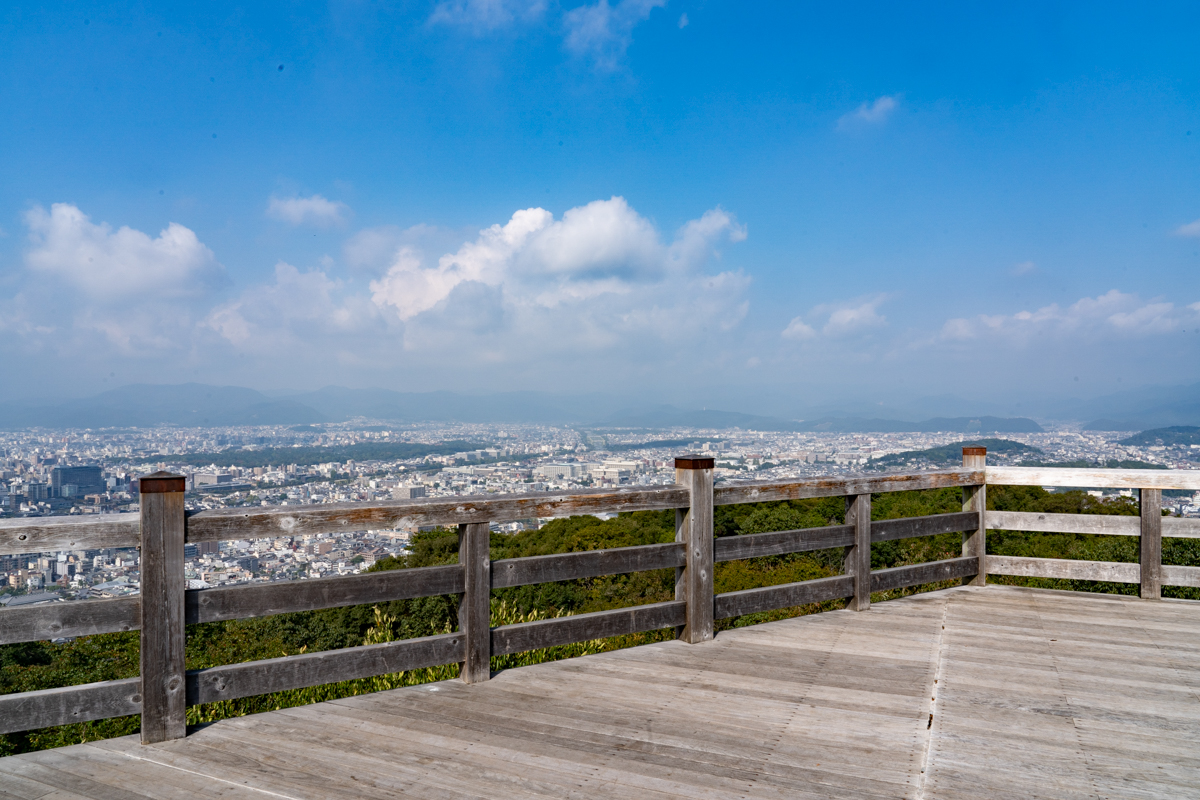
(195, 404)
(1139, 409)
(189, 404)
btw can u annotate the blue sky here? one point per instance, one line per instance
(769, 206)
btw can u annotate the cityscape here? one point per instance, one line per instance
(90, 472)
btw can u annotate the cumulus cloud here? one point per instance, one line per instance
(315, 210)
(1190, 229)
(600, 276)
(297, 308)
(106, 264)
(873, 113)
(1111, 315)
(837, 320)
(488, 15)
(603, 32)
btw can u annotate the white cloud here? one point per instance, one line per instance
(599, 277)
(126, 263)
(486, 14)
(297, 308)
(683, 20)
(1111, 315)
(870, 113)
(1190, 229)
(799, 329)
(604, 32)
(1024, 268)
(315, 210)
(837, 320)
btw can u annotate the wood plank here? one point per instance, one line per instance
(510, 572)
(754, 545)
(41, 709)
(1150, 550)
(46, 534)
(886, 530)
(1095, 478)
(857, 560)
(1064, 568)
(313, 669)
(68, 619)
(769, 598)
(764, 491)
(698, 550)
(917, 574)
(584, 627)
(1180, 576)
(221, 524)
(283, 597)
(1181, 527)
(474, 605)
(1035, 521)
(163, 632)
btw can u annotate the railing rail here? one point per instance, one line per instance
(164, 609)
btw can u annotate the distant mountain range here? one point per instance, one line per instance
(1137, 409)
(200, 405)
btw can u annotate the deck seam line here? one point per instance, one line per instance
(927, 759)
(209, 777)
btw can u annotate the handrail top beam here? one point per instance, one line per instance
(1095, 478)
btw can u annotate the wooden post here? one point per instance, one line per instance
(164, 699)
(475, 604)
(1151, 550)
(975, 499)
(857, 561)
(696, 528)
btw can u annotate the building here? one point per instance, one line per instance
(408, 492)
(76, 481)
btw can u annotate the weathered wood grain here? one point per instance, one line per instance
(448, 511)
(1036, 521)
(754, 545)
(164, 703)
(764, 491)
(29, 710)
(60, 620)
(313, 669)
(1064, 568)
(885, 530)
(698, 550)
(1180, 576)
(474, 605)
(974, 500)
(769, 598)
(1095, 478)
(1180, 527)
(510, 572)
(584, 627)
(1150, 550)
(285, 597)
(857, 560)
(45, 534)
(917, 574)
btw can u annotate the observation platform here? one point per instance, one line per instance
(971, 692)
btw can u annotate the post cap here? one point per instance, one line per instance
(694, 462)
(974, 451)
(160, 483)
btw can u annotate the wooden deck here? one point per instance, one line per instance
(975, 693)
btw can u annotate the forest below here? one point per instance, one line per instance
(43, 665)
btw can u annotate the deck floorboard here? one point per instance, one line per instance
(969, 692)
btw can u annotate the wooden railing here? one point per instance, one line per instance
(164, 608)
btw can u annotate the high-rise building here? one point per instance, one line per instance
(76, 481)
